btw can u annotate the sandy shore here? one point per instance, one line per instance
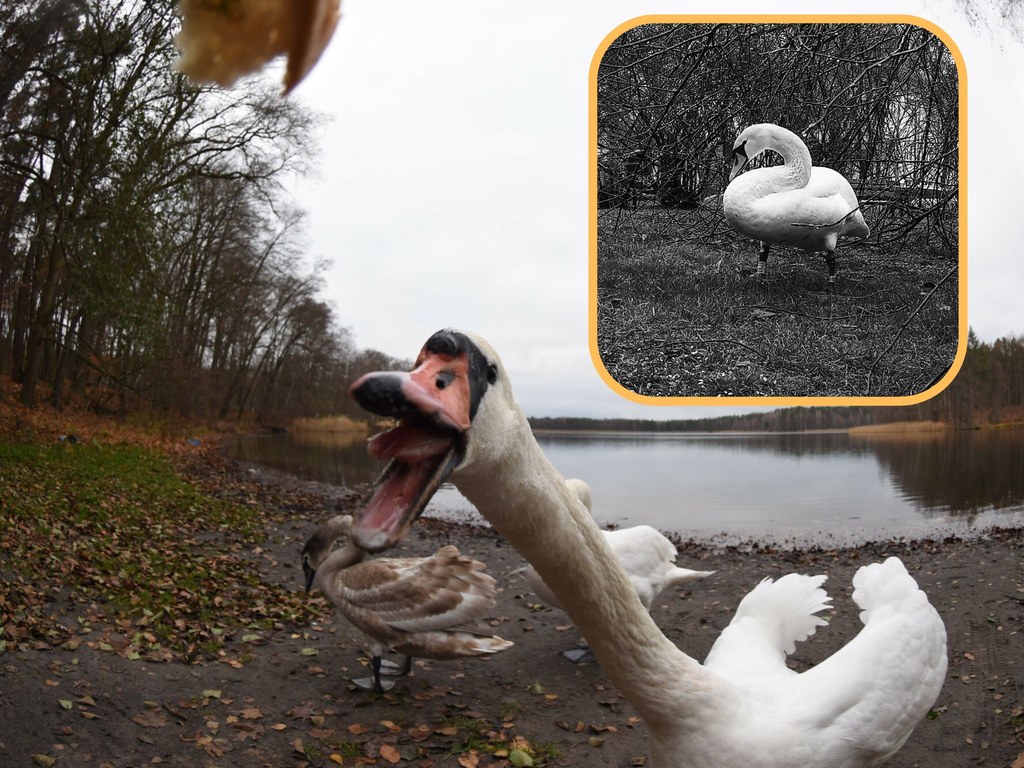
(285, 698)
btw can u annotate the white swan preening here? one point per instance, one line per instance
(646, 554)
(792, 204)
(744, 706)
(418, 606)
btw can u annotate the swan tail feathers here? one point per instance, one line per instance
(677, 576)
(856, 226)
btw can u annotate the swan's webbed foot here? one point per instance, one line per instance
(388, 668)
(374, 683)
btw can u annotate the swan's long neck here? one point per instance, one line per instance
(796, 172)
(527, 500)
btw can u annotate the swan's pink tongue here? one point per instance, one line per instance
(420, 461)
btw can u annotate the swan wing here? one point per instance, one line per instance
(768, 623)
(811, 217)
(417, 594)
(873, 691)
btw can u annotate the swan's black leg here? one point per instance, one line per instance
(373, 683)
(406, 666)
(762, 261)
(375, 666)
(830, 259)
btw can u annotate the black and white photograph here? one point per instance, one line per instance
(778, 210)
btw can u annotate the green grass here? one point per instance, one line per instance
(110, 539)
(687, 319)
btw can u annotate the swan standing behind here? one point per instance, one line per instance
(418, 606)
(745, 707)
(792, 204)
(647, 556)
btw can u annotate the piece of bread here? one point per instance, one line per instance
(221, 40)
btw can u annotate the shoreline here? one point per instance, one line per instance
(280, 694)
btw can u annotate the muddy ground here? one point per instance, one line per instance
(284, 697)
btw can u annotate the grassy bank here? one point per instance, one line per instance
(899, 428)
(95, 534)
(330, 424)
(677, 317)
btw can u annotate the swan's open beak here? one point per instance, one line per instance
(434, 406)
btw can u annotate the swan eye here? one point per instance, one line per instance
(444, 379)
(492, 374)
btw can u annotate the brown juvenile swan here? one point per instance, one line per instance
(419, 606)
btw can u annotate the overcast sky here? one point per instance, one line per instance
(453, 178)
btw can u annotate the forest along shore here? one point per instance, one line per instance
(277, 692)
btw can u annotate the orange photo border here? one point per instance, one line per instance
(962, 207)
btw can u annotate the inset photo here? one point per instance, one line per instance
(777, 210)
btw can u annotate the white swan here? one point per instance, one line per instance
(851, 711)
(645, 553)
(792, 204)
(418, 606)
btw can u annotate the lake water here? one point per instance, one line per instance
(788, 489)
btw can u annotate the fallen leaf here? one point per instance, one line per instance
(150, 718)
(211, 693)
(43, 760)
(469, 760)
(251, 713)
(65, 703)
(390, 754)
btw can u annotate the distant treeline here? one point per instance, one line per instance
(149, 257)
(988, 389)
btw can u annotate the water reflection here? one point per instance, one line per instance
(799, 488)
(965, 473)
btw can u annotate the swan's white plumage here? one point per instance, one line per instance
(850, 711)
(768, 623)
(646, 554)
(795, 204)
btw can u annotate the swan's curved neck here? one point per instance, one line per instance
(796, 172)
(529, 503)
